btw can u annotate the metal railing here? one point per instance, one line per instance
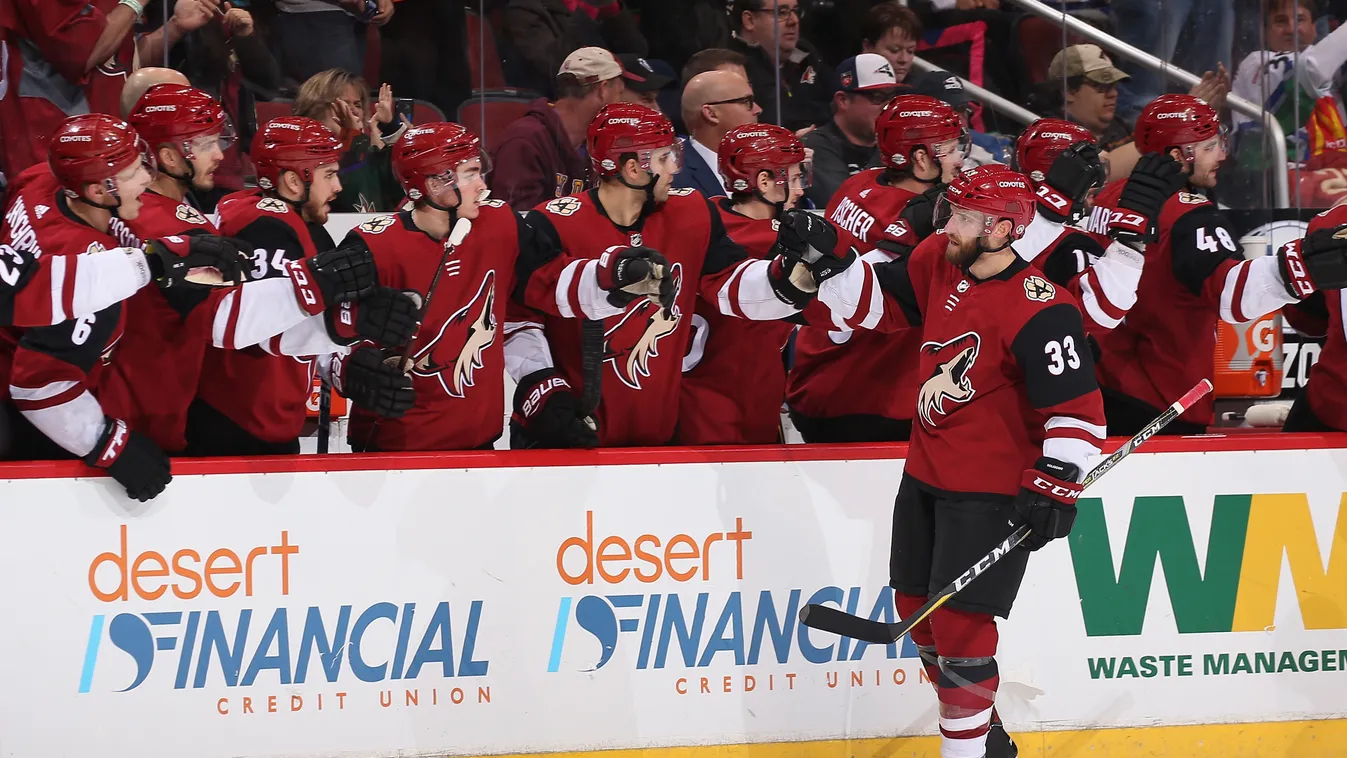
(1272, 128)
(996, 102)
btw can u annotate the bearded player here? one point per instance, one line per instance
(1007, 416)
(734, 378)
(861, 386)
(633, 210)
(1195, 273)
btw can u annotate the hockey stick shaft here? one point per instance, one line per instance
(833, 620)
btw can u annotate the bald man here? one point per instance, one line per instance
(144, 78)
(714, 102)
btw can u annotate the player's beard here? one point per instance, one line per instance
(315, 212)
(962, 254)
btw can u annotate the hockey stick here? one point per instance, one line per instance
(591, 366)
(828, 619)
(456, 235)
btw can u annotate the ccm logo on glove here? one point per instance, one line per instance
(1055, 488)
(303, 287)
(116, 443)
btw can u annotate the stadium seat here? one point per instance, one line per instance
(483, 57)
(498, 109)
(1036, 41)
(268, 109)
(424, 112)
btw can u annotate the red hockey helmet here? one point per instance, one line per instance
(630, 128)
(440, 150)
(987, 194)
(171, 114)
(292, 143)
(912, 121)
(94, 148)
(1043, 141)
(1176, 121)
(749, 149)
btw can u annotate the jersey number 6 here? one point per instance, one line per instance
(1055, 350)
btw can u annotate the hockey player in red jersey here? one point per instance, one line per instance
(1195, 274)
(52, 373)
(1061, 159)
(1008, 416)
(861, 386)
(1322, 404)
(734, 378)
(252, 401)
(634, 151)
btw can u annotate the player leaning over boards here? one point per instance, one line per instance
(1195, 273)
(1005, 422)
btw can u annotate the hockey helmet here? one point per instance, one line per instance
(749, 149)
(94, 148)
(983, 196)
(184, 117)
(1043, 141)
(622, 128)
(1179, 121)
(912, 121)
(442, 151)
(292, 143)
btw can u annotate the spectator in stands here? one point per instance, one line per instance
(1158, 28)
(319, 35)
(66, 57)
(713, 103)
(806, 82)
(644, 79)
(1295, 53)
(538, 156)
(337, 99)
(423, 55)
(715, 59)
(846, 144)
(986, 19)
(541, 33)
(944, 85)
(678, 29)
(893, 31)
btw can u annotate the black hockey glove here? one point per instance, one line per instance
(330, 278)
(1073, 173)
(545, 414)
(630, 273)
(203, 260)
(811, 239)
(1155, 179)
(386, 316)
(374, 382)
(920, 211)
(1319, 261)
(1047, 501)
(132, 459)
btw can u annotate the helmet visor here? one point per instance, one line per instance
(467, 172)
(662, 161)
(963, 221)
(204, 144)
(800, 176)
(960, 145)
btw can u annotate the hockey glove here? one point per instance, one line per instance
(333, 277)
(205, 260)
(1073, 173)
(387, 317)
(1319, 261)
(630, 273)
(545, 414)
(1154, 180)
(1047, 501)
(373, 382)
(132, 459)
(811, 240)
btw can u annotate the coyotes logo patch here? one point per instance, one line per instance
(949, 381)
(455, 354)
(630, 344)
(189, 214)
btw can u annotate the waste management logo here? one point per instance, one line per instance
(1236, 590)
(687, 607)
(171, 639)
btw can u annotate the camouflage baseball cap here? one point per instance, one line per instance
(1085, 60)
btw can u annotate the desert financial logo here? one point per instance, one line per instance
(710, 640)
(347, 650)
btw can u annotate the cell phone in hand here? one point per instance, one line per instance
(402, 107)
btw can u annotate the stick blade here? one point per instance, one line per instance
(828, 619)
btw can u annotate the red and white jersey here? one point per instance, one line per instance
(842, 372)
(1327, 387)
(458, 353)
(1195, 274)
(1101, 274)
(38, 290)
(643, 348)
(733, 376)
(262, 392)
(1008, 375)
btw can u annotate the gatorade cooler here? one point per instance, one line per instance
(1249, 356)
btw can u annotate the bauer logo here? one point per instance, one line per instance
(688, 601)
(192, 623)
(1235, 587)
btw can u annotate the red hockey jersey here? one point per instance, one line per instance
(733, 376)
(1327, 387)
(1195, 274)
(643, 349)
(847, 373)
(1007, 372)
(1101, 274)
(458, 355)
(263, 393)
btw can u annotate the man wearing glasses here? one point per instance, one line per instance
(714, 103)
(767, 32)
(846, 145)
